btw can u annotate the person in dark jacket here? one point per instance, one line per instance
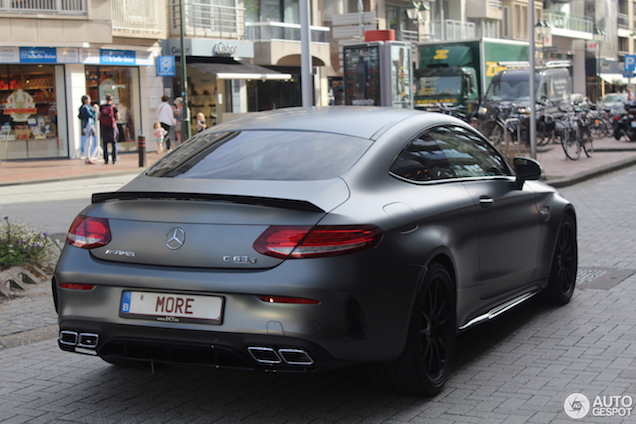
(87, 115)
(108, 116)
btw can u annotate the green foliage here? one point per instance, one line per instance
(20, 246)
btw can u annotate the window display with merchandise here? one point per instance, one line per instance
(28, 122)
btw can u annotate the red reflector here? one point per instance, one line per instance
(281, 299)
(88, 232)
(312, 242)
(73, 286)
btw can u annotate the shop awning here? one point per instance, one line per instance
(615, 79)
(238, 70)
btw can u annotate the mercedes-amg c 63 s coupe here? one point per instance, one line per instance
(302, 238)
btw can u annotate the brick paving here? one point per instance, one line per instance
(516, 369)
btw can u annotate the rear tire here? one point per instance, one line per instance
(587, 141)
(564, 265)
(425, 364)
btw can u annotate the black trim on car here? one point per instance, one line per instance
(248, 200)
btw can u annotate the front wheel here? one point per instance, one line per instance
(564, 265)
(425, 364)
(570, 144)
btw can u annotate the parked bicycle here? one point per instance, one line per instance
(573, 130)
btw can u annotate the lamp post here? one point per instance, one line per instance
(542, 29)
(413, 13)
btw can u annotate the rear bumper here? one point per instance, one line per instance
(362, 316)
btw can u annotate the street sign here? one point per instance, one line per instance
(628, 74)
(630, 62)
(166, 66)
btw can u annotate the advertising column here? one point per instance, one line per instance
(378, 74)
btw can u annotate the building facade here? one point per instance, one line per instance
(245, 55)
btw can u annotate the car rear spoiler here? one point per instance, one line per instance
(247, 200)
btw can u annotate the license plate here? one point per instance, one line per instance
(171, 307)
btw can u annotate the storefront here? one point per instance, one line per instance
(119, 82)
(30, 96)
(40, 91)
(222, 81)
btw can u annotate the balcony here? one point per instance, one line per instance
(568, 25)
(623, 21)
(45, 7)
(449, 30)
(484, 9)
(281, 31)
(139, 18)
(208, 20)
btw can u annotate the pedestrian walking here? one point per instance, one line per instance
(87, 114)
(159, 134)
(165, 116)
(108, 116)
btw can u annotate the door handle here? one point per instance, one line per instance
(486, 202)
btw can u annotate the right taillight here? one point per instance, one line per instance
(88, 232)
(299, 242)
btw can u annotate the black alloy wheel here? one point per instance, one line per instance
(425, 365)
(564, 265)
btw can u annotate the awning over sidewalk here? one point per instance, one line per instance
(239, 70)
(615, 79)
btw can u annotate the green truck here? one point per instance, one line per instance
(457, 73)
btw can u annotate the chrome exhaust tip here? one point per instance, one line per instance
(295, 357)
(264, 355)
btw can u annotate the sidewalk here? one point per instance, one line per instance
(609, 155)
(37, 171)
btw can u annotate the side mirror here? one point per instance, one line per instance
(526, 169)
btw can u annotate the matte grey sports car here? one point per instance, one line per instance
(302, 238)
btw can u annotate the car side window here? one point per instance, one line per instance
(446, 153)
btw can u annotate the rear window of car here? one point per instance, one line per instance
(262, 155)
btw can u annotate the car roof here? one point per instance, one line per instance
(357, 121)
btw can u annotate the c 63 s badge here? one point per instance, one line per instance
(239, 259)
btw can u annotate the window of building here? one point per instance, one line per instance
(118, 82)
(30, 126)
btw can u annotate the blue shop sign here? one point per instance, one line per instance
(166, 66)
(117, 57)
(38, 55)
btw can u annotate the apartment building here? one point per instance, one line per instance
(594, 34)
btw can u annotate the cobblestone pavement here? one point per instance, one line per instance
(516, 369)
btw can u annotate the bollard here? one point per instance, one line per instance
(141, 147)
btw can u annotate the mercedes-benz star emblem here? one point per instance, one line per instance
(175, 238)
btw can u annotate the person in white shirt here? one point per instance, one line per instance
(165, 116)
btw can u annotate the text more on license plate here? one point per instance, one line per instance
(171, 307)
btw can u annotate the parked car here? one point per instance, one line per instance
(614, 103)
(298, 239)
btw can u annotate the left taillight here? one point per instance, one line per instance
(298, 242)
(89, 232)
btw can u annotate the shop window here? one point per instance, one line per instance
(29, 112)
(118, 82)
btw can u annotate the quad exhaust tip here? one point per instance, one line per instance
(81, 340)
(289, 356)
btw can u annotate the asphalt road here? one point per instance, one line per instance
(516, 369)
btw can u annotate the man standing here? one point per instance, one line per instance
(165, 116)
(108, 116)
(87, 114)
